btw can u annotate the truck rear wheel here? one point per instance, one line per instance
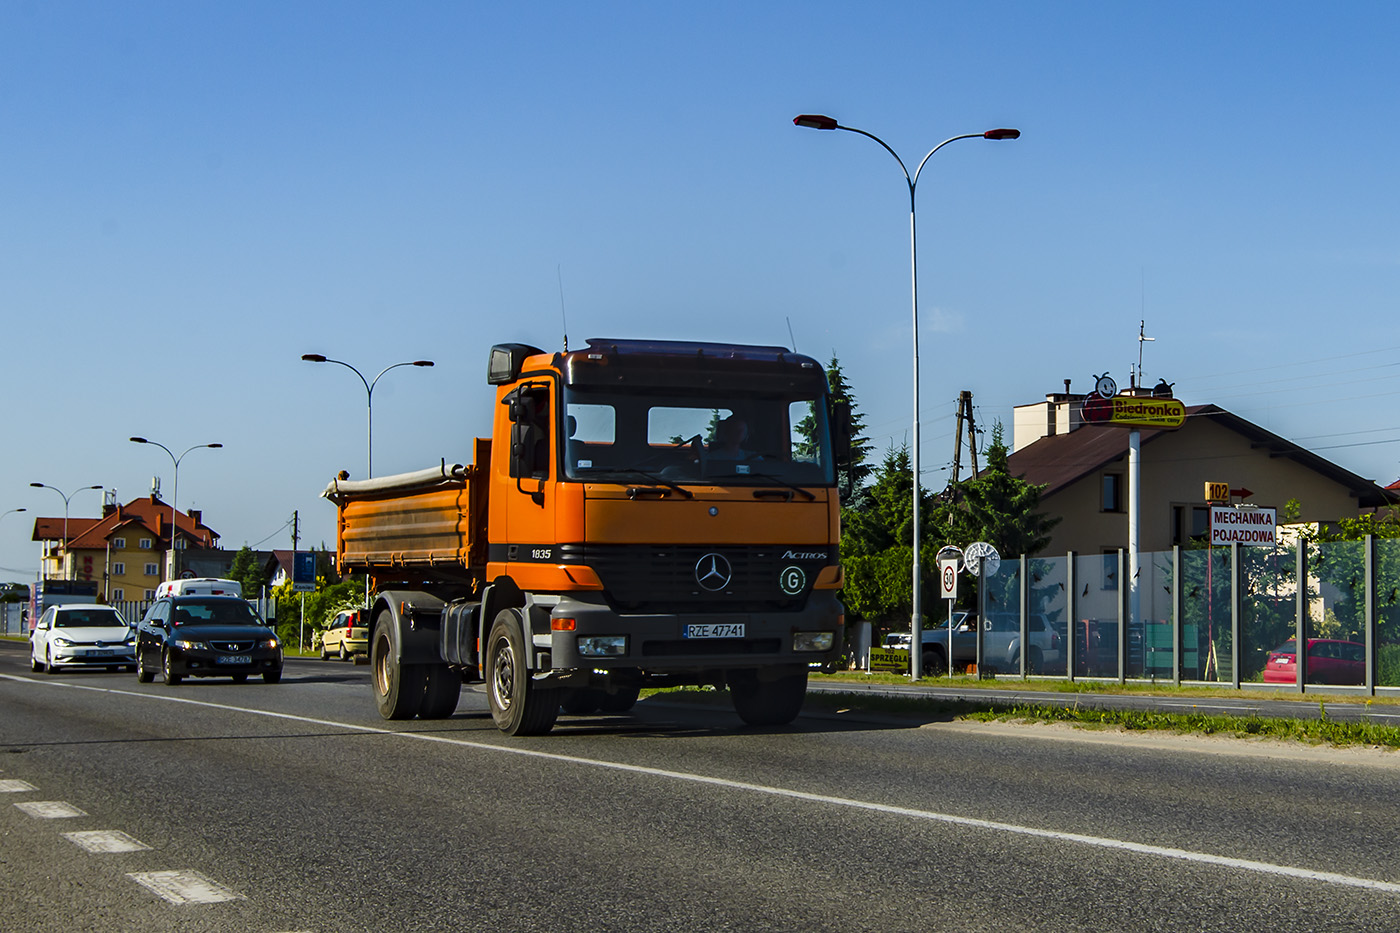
(398, 688)
(767, 703)
(579, 701)
(518, 704)
(620, 700)
(441, 692)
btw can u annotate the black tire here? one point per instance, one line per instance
(325, 655)
(934, 664)
(35, 664)
(49, 666)
(441, 691)
(240, 678)
(398, 688)
(519, 706)
(767, 703)
(620, 701)
(169, 676)
(580, 701)
(143, 676)
(272, 677)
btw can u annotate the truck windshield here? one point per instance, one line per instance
(733, 438)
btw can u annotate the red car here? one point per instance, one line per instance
(1330, 661)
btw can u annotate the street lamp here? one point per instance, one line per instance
(174, 493)
(369, 397)
(66, 499)
(820, 122)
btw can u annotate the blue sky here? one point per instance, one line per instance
(195, 194)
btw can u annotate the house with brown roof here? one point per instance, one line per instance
(125, 551)
(1084, 469)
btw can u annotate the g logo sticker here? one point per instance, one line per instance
(792, 580)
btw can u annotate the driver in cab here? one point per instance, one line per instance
(728, 442)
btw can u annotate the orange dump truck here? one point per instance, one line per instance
(645, 513)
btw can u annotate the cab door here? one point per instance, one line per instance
(524, 490)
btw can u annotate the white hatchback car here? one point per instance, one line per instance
(81, 635)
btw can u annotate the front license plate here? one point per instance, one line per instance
(234, 659)
(722, 630)
(101, 653)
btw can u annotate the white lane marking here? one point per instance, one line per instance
(50, 809)
(1167, 852)
(102, 841)
(184, 887)
(15, 786)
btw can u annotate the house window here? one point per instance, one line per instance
(118, 595)
(145, 544)
(150, 594)
(1190, 523)
(152, 570)
(1112, 498)
(119, 544)
(118, 569)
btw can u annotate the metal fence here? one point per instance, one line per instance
(1204, 616)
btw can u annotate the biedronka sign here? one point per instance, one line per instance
(1252, 527)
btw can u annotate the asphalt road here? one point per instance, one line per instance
(294, 807)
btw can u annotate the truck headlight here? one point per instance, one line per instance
(813, 641)
(602, 646)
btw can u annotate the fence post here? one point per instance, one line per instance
(1300, 620)
(1236, 610)
(1025, 614)
(1178, 618)
(1370, 639)
(1071, 611)
(1123, 620)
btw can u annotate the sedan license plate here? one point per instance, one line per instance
(234, 659)
(101, 652)
(721, 630)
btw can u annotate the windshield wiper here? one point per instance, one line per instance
(649, 477)
(779, 481)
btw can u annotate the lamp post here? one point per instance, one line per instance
(820, 122)
(66, 499)
(369, 397)
(174, 493)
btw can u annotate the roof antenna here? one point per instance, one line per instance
(790, 336)
(1142, 324)
(558, 270)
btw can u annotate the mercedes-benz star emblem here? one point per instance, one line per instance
(712, 572)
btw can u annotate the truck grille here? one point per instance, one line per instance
(663, 579)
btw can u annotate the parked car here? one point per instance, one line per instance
(1330, 661)
(1001, 643)
(347, 635)
(81, 635)
(205, 636)
(199, 586)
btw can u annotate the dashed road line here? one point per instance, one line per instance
(50, 809)
(15, 786)
(184, 887)
(103, 841)
(1101, 842)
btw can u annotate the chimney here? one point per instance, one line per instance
(195, 516)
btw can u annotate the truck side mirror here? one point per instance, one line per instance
(840, 417)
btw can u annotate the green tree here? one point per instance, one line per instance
(248, 571)
(1000, 509)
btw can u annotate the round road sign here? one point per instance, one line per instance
(980, 551)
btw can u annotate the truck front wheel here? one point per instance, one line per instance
(398, 688)
(767, 702)
(518, 704)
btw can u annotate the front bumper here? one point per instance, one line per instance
(657, 643)
(77, 655)
(205, 663)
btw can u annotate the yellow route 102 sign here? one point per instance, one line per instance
(1217, 492)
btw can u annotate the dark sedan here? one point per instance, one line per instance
(205, 636)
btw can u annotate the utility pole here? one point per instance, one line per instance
(965, 422)
(295, 531)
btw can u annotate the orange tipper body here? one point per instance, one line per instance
(644, 512)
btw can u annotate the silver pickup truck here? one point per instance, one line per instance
(1001, 644)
